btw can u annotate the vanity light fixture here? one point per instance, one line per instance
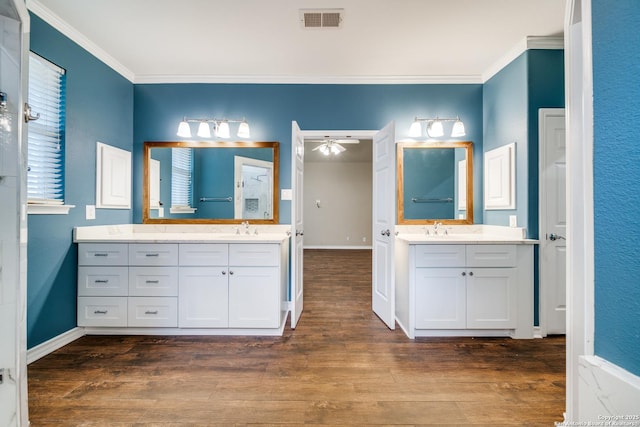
(435, 127)
(220, 128)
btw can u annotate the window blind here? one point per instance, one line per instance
(181, 167)
(45, 136)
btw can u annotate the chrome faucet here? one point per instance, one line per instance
(245, 224)
(435, 227)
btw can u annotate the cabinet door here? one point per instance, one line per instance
(491, 298)
(254, 297)
(204, 297)
(440, 298)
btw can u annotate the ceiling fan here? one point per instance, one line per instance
(333, 146)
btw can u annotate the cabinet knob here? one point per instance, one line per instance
(464, 273)
(230, 272)
(471, 273)
(224, 273)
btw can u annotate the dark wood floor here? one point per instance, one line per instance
(341, 366)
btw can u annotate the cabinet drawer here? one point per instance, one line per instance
(103, 281)
(103, 254)
(153, 281)
(491, 256)
(102, 311)
(254, 254)
(153, 254)
(440, 255)
(204, 254)
(153, 311)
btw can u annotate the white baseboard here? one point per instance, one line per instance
(335, 247)
(53, 344)
(606, 393)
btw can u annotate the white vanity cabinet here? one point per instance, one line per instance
(232, 285)
(183, 287)
(459, 289)
(132, 285)
(465, 286)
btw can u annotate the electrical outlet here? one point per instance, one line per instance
(513, 221)
(364, 239)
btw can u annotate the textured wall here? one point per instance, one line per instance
(616, 170)
(99, 108)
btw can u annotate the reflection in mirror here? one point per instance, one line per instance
(435, 182)
(210, 182)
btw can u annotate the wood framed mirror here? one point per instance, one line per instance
(435, 182)
(210, 182)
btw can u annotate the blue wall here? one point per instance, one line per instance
(511, 102)
(99, 108)
(616, 170)
(269, 109)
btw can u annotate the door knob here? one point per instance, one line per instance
(553, 237)
(299, 233)
(386, 232)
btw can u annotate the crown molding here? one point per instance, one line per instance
(292, 79)
(59, 24)
(531, 42)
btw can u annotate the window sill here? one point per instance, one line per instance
(49, 209)
(182, 210)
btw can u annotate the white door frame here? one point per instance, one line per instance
(546, 276)
(580, 233)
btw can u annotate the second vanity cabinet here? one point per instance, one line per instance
(215, 286)
(450, 288)
(465, 286)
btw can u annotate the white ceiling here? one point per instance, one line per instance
(261, 41)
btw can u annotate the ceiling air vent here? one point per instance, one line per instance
(321, 18)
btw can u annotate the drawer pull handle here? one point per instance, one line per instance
(101, 281)
(153, 281)
(152, 255)
(100, 254)
(151, 312)
(100, 312)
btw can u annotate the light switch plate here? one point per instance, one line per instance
(90, 212)
(286, 194)
(513, 221)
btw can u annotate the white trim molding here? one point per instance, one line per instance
(551, 43)
(59, 24)
(608, 393)
(54, 344)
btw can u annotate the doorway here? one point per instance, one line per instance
(337, 195)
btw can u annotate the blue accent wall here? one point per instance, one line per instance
(512, 99)
(616, 173)
(270, 109)
(99, 108)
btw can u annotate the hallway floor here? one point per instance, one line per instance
(341, 366)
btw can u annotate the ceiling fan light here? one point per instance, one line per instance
(203, 130)
(324, 149)
(458, 129)
(243, 130)
(222, 130)
(184, 130)
(416, 129)
(335, 150)
(435, 129)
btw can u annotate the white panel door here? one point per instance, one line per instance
(384, 215)
(553, 221)
(297, 224)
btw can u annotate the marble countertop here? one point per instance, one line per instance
(464, 234)
(141, 233)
